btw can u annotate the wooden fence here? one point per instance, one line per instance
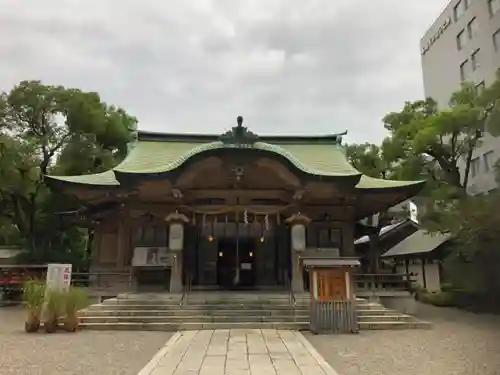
(333, 317)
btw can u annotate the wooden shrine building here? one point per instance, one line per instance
(220, 211)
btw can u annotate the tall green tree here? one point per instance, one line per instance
(52, 129)
(439, 143)
(442, 138)
(378, 162)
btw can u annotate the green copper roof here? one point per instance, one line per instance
(160, 153)
(366, 183)
(158, 157)
(100, 179)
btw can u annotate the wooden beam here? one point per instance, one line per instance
(231, 193)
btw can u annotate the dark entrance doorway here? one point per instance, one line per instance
(232, 257)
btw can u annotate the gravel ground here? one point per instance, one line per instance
(82, 353)
(459, 343)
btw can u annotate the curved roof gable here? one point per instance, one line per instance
(160, 157)
(316, 156)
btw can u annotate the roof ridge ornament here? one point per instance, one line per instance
(239, 136)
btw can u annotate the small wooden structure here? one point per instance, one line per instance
(333, 303)
(421, 254)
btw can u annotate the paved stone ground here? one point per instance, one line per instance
(237, 352)
(82, 353)
(459, 343)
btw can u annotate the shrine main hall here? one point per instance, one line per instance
(222, 211)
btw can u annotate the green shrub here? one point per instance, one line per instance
(447, 287)
(442, 299)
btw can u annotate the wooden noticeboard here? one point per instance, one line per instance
(331, 283)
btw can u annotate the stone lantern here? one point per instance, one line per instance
(298, 223)
(176, 222)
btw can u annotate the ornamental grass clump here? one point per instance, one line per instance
(75, 300)
(33, 298)
(53, 309)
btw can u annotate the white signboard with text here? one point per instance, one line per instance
(151, 257)
(58, 276)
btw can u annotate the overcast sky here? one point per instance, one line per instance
(287, 66)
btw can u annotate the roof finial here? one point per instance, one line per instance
(239, 135)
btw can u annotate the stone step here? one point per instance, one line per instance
(193, 326)
(190, 312)
(237, 302)
(369, 306)
(394, 325)
(226, 310)
(193, 319)
(363, 312)
(138, 306)
(386, 318)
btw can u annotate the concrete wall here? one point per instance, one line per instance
(441, 69)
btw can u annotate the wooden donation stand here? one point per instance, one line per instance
(333, 302)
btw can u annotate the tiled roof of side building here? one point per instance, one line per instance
(419, 242)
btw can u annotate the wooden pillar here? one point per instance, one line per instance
(424, 279)
(96, 248)
(121, 244)
(347, 239)
(373, 250)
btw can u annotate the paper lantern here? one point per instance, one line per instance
(298, 232)
(298, 224)
(176, 237)
(176, 233)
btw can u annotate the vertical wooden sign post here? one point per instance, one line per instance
(333, 302)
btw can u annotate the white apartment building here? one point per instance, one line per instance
(463, 44)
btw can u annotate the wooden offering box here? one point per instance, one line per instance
(333, 302)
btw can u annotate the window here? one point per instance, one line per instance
(459, 9)
(472, 28)
(480, 87)
(494, 6)
(464, 70)
(474, 167)
(461, 40)
(320, 235)
(487, 160)
(150, 235)
(496, 40)
(475, 57)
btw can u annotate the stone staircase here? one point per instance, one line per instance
(200, 310)
(213, 310)
(374, 316)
